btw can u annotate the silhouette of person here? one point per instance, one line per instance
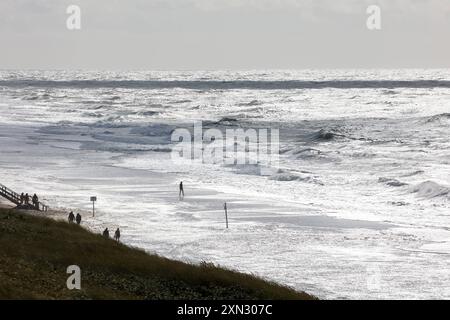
(22, 198)
(71, 217)
(106, 233)
(27, 198)
(181, 194)
(78, 218)
(117, 235)
(35, 201)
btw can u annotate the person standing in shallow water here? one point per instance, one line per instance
(78, 218)
(181, 194)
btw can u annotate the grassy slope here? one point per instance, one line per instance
(35, 252)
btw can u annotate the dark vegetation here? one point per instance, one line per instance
(35, 253)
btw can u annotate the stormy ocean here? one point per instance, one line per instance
(357, 207)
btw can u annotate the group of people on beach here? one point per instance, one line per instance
(77, 219)
(25, 200)
(72, 217)
(116, 234)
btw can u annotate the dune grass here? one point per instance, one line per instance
(35, 253)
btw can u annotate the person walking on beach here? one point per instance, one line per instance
(181, 194)
(106, 233)
(71, 217)
(117, 235)
(78, 218)
(22, 198)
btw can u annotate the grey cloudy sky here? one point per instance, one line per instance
(223, 34)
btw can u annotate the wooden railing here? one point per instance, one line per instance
(7, 193)
(14, 197)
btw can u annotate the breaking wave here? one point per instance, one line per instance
(439, 117)
(322, 135)
(392, 182)
(282, 175)
(430, 189)
(251, 103)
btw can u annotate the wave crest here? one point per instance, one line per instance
(430, 189)
(392, 182)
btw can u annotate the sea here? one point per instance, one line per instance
(355, 207)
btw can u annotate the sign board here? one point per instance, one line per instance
(93, 199)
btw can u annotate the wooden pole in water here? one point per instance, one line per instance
(226, 213)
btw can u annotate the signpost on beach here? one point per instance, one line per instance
(93, 199)
(226, 213)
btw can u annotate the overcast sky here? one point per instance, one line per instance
(223, 34)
